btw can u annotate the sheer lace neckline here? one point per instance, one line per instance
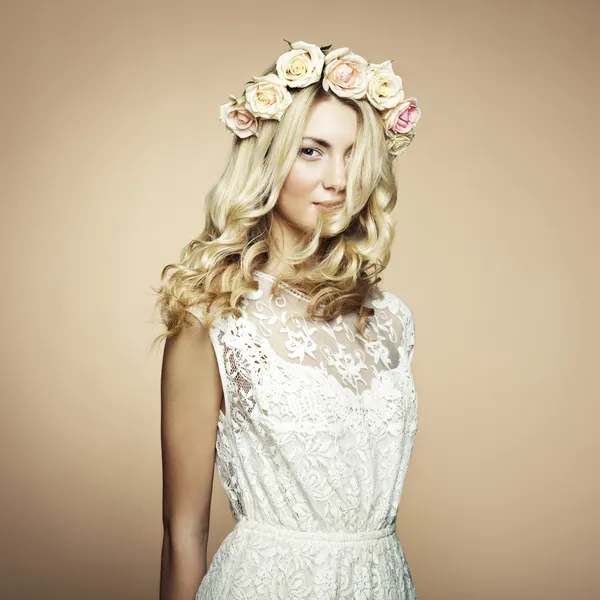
(289, 288)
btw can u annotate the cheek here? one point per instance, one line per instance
(301, 181)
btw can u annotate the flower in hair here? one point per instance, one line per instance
(301, 66)
(268, 97)
(402, 118)
(238, 118)
(345, 74)
(384, 87)
(398, 142)
(342, 72)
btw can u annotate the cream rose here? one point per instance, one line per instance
(236, 116)
(384, 87)
(301, 66)
(403, 117)
(345, 74)
(268, 97)
(398, 142)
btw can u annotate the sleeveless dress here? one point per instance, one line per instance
(312, 450)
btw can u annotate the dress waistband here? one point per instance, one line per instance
(323, 536)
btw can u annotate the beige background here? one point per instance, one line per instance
(110, 140)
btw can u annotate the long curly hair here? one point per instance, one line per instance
(337, 265)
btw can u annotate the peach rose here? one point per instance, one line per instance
(236, 116)
(384, 87)
(345, 74)
(301, 66)
(403, 117)
(268, 97)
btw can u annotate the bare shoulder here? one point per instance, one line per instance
(192, 338)
(190, 382)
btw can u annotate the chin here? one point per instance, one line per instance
(307, 225)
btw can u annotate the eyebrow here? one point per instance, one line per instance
(321, 142)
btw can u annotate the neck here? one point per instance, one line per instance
(286, 239)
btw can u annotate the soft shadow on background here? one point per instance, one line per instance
(109, 141)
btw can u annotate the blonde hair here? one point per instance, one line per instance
(337, 265)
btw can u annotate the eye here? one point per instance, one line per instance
(309, 152)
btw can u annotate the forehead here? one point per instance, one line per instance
(333, 121)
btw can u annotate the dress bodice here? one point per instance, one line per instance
(320, 423)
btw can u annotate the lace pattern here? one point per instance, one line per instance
(316, 438)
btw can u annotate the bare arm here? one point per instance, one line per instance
(191, 394)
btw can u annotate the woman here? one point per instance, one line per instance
(284, 362)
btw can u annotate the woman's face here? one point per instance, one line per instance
(318, 176)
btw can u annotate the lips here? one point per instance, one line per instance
(328, 204)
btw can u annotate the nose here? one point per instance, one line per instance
(334, 176)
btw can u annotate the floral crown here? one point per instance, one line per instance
(344, 73)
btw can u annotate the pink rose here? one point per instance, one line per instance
(345, 73)
(403, 117)
(236, 116)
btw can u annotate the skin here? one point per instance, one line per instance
(317, 175)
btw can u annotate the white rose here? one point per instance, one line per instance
(236, 116)
(301, 66)
(268, 97)
(345, 74)
(384, 87)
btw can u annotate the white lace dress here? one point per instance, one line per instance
(312, 450)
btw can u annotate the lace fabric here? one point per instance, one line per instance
(313, 449)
